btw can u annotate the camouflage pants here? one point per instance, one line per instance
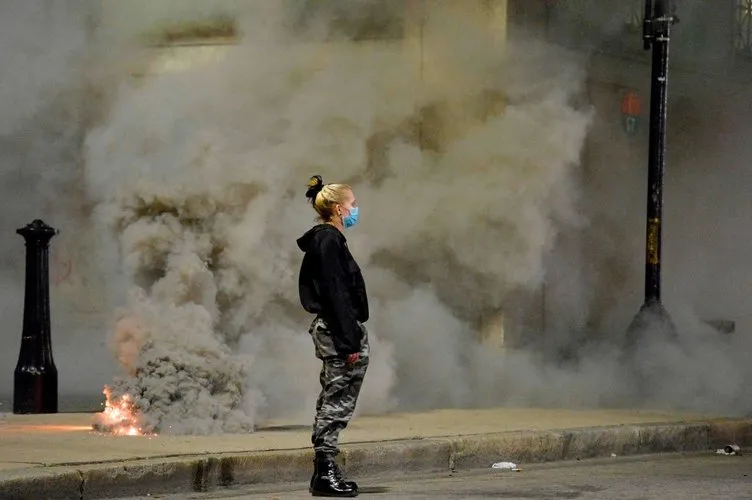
(340, 387)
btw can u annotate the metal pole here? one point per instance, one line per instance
(35, 377)
(656, 35)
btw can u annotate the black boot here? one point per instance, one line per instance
(327, 479)
(351, 484)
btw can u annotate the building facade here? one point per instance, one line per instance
(706, 237)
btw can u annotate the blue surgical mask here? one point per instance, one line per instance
(351, 219)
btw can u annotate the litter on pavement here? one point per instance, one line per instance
(506, 466)
(729, 449)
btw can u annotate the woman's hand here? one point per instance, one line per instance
(353, 358)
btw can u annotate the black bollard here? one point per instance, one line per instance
(35, 378)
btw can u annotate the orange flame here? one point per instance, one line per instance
(119, 417)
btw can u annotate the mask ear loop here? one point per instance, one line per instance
(339, 214)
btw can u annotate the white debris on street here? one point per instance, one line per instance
(506, 466)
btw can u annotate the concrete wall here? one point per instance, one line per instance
(134, 18)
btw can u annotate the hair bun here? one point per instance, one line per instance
(315, 185)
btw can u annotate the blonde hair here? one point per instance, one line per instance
(324, 197)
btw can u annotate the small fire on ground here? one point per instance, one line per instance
(119, 416)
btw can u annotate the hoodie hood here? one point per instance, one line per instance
(304, 242)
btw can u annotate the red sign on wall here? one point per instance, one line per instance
(631, 110)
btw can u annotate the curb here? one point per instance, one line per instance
(442, 454)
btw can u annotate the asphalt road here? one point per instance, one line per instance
(696, 476)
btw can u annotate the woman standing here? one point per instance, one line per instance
(331, 286)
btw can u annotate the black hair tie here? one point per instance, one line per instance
(315, 185)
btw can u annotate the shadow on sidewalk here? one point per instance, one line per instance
(374, 490)
(283, 428)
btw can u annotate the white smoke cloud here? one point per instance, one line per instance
(196, 179)
(210, 170)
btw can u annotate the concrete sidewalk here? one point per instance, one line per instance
(58, 456)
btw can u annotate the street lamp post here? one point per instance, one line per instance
(659, 18)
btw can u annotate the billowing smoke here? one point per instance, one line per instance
(465, 158)
(199, 173)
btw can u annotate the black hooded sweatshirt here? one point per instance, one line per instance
(332, 287)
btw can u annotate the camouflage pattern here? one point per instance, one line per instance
(340, 387)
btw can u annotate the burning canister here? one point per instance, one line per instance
(732, 449)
